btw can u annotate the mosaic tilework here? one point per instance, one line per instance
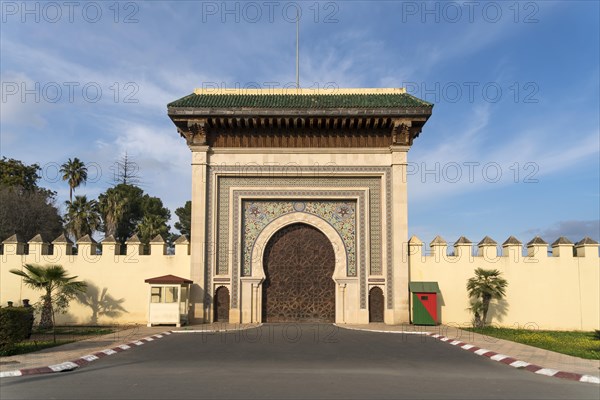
(258, 214)
(307, 176)
(360, 194)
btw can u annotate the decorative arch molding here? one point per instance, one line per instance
(257, 267)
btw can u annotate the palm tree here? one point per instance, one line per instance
(82, 216)
(75, 172)
(112, 206)
(485, 286)
(57, 286)
(150, 226)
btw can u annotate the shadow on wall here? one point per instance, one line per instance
(497, 311)
(101, 303)
(441, 303)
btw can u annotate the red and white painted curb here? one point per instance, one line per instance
(513, 362)
(504, 359)
(81, 361)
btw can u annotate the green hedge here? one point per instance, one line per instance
(15, 326)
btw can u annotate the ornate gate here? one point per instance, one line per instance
(299, 262)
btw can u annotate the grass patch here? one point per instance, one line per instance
(32, 345)
(76, 330)
(44, 338)
(574, 343)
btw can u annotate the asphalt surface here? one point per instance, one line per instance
(294, 361)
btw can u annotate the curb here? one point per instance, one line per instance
(504, 359)
(218, 330)
(84, 360)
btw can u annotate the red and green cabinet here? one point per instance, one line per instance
(424, 302)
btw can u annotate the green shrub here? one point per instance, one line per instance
(15, 326)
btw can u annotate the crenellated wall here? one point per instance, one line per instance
(115, 282)
(560, 290)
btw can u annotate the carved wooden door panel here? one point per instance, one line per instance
(222, 305)
(299, 263)
(376, 305)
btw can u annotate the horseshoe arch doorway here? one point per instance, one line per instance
(299, 262)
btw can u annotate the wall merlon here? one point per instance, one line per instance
(586, 247)
(182, 246)
(134, 246)
(487, 248)
(439, 247)
(537, 248)
(562, 247)
(86, 246)
(13, 245)
(512, 248)
(158, 246)
(62, 245)
(110, 246)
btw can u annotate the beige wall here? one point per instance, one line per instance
(122, 276)
(549, 292)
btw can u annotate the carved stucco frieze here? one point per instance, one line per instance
(401, 132)
(195, 132)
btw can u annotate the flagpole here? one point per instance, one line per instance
(297, 49)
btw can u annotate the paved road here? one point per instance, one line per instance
(294, 361)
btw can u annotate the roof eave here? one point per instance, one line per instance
(424, 111)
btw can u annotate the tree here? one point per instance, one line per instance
(112, 207)
(126, 171)
(13, 173)
(75, 172)
(121, 221)
(184, 226)
(28, 213)
(126, 220)
(25, 208)
(58, 289)
(150, 226)
(484, 287)
(82, 217)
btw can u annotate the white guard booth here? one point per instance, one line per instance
(168, 300)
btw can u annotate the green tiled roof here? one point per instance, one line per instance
(302, 101)
(424, 287)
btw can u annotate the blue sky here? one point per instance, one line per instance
(515, 87)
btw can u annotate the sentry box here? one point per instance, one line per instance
(424, 302)
(168, 300)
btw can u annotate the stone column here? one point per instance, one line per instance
(400, 307)
(198, 243)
